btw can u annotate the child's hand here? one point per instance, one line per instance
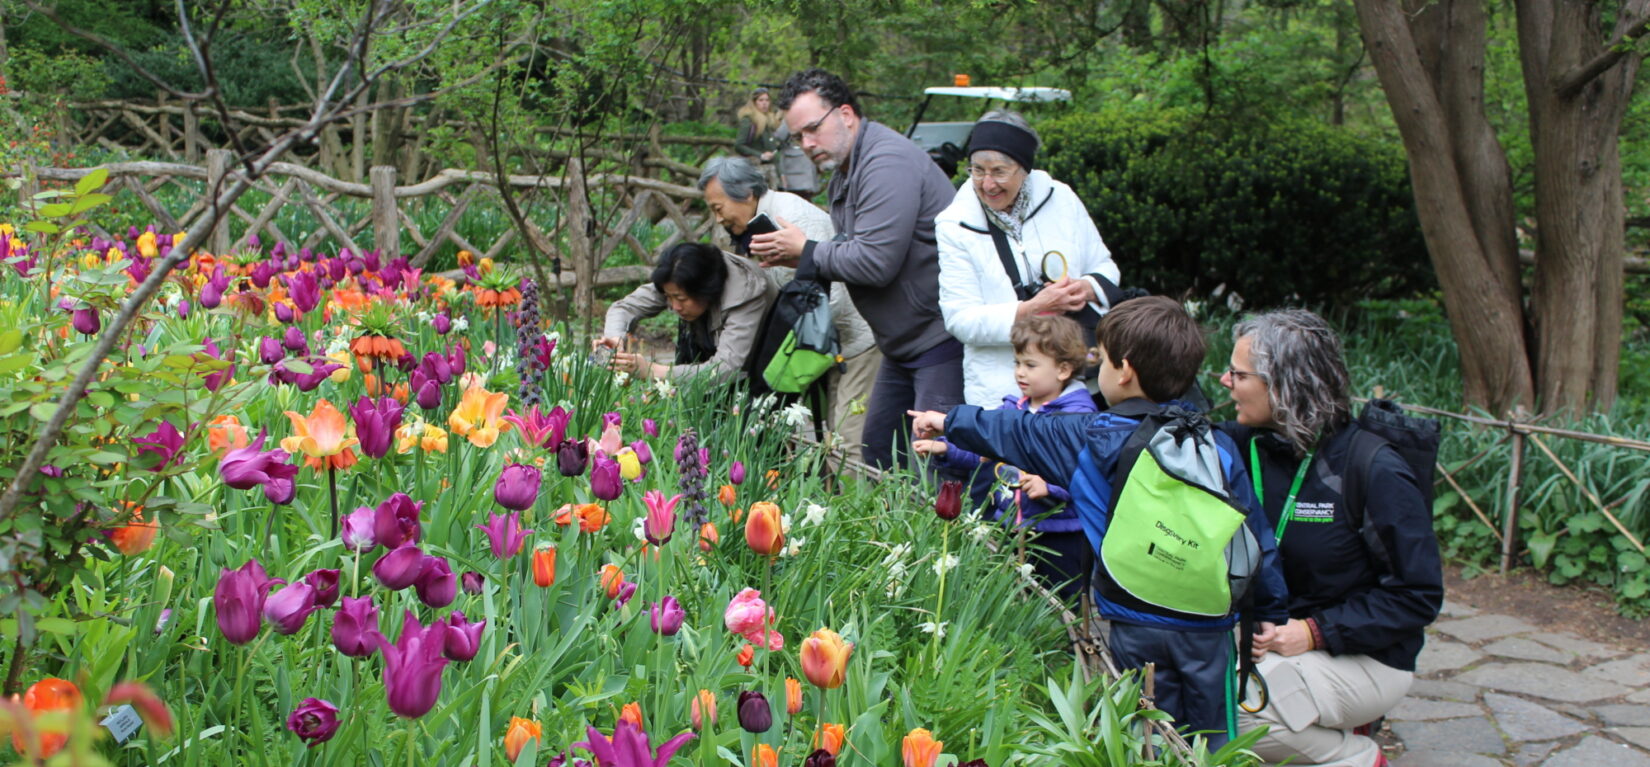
(930, 447)
(1033, 486)
(926, 425)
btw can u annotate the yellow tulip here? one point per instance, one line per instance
(479, 416)
(323, 434)
(630, 465)
(147, 246)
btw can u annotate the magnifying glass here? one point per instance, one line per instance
(1048, 274)
(1008, 475)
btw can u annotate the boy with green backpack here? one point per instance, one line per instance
(1181, 546)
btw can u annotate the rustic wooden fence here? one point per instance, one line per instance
(596, 212)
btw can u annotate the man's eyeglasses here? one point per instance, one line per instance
(1241, 375)
(999, 175)
(813, 127)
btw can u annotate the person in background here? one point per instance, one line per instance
(1357, 619)
(884, 195)
(719, 299)
(736, 193)
(757, 122)
(1049, 352)
(1010, 212)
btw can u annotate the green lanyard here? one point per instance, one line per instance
(1294, 489)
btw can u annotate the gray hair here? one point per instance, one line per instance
(1012, 118)
(1299, 357)
(740, 179)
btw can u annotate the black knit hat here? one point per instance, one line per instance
(1010, 139)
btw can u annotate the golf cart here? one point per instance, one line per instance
(945, 141)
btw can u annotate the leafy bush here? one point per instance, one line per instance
(1277, 212)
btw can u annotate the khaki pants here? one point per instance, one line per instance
(848, 383)
(1316, 700)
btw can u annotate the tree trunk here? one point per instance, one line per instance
(1433, 76)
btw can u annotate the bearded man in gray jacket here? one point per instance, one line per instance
(884, 194)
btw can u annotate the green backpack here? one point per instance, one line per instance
(1176, 544)
(810, 348)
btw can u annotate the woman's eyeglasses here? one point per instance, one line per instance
(1242, 375)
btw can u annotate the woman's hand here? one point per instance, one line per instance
(604, 343)
(1061, 297)
(634, 364)
(766, 156)
(1290, 639)
(930, 447)
(1034, 486)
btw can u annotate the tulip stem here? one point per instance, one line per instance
(939, 606)
(269, 524)
(412, 743)
(332, 492)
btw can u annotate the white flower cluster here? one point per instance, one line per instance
(897, 568)
(793, 546)
(945, 564)
(930, 627)
(813, 514)
(664, 387)
(461, 324)
(796, 414)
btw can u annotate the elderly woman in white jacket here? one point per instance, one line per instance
(1011, 213)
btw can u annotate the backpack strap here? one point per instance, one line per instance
(1355, 490)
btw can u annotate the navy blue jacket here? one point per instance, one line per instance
(1332, 576)
(1080, 453)
(966, 464)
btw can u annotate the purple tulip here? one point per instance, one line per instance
(288, 608)
(442, 323)
(642, 451)
(650, 427)
(281, 486)
(517, 487)
(217, 379)
(270, 351)
(294, 341)
(463, 637)
(375, 424)
(304, 290)
(252, 466)
(262, 273)
(86, 322)
(238, 601)
(605, 482)
(353, 625)
(165, 441)
(211, 294)
(325, 583)
(611, 418)
(436, 366)
(626, 591)
(571, 456)
(736, 473)
(505, 535)
(399, 568)
(471, 582)
(436, 586)
(284, 313)
(413, 666)
(395, 521)
(631, 742)
(426, 391)
(183, 308)
(667, 617)
(357, 530)
(319, 370)
(455, 360)
(314, 721)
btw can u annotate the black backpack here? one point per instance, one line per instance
(797, 299)
(1384, 424)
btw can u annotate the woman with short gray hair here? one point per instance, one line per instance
(1357, 616)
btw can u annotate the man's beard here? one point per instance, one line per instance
(829, 164)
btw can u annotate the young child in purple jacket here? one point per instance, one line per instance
(1049, 350)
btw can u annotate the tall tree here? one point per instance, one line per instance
(1560, 352)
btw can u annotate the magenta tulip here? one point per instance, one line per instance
(353, 625)
(504, 534)
(375, 424)
(650, 427)
(667, 617)
(357, 530)
(471, 582)
(395, 521)
(270, 351)
(629, 746)
(413, 666)
(517, 487)
(325, 583)
(288, 608)
(314, 721)
(437, 586)
(86, 322)
(239, 599)
(660, 523)
(399, 568)
(165, 441)
(736, 474)
(305, 291)
(463, 637)
(605, 482)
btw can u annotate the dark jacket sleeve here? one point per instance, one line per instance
(958, 460)
(1045, 446)
(1271, 591)
(1407, 599)
(748, 143)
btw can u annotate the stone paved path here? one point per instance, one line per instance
(1495, 690)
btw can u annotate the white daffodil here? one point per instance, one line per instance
(813, 514)
(945, 564)
(930, 627)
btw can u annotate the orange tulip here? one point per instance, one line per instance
(226, 433)
(825, 659)
(829, 737)
(544, 566)
(746, 655)
(764, 756)
(521, 730)
(772, 476)
(920, 749)
(479, 416)
(708, 537)
(592, 517)
(49, 694)
(612, 578)
(763, 529)
(466, 258)
(632, 713)
(704, 707)
(136, 536)
(728, 495)
(793, 695)
(736, 514)
(323, 434)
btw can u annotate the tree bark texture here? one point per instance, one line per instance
(1422, 62)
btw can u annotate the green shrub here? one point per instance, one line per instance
(1279, 212)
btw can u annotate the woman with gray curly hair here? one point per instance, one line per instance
(1357, 616)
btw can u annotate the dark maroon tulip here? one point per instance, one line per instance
(413, 666)
(463, 637)
(288, 608)
(948, 504)
(399, 568)
(471, 582)
(375, 424)
(270, 351)
(86, 322)
(353, 625)
(517, 487)
(819, 758)
(605, 482)
(239, 599)
(395, 521)
(314, 721)
(755, 715)
(325, 583)
(436, 586)
(571, 456)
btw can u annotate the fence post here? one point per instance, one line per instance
(386, 225)
(1509, 520)
(217, 167)
(191, 134)
(30, 185)
(578, 243)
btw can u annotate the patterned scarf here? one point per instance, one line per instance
(1011, 222)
